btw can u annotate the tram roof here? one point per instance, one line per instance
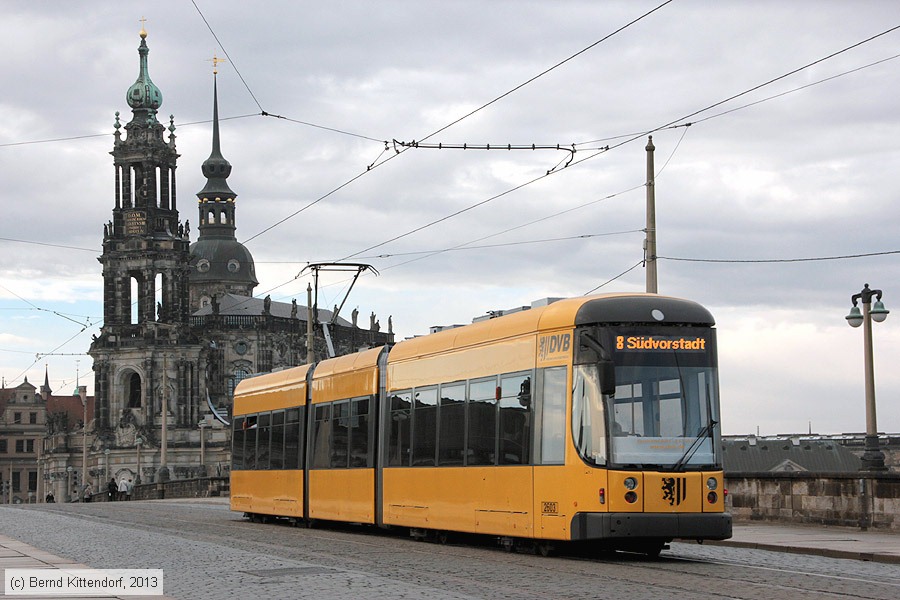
(568, 312)
(293, 377)
(347, 363)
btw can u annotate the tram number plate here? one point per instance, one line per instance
(550, 508)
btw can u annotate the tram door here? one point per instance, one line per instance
(552, 512)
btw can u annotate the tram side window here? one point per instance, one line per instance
(250, 431)
(553, 416)
(399, 436)
(360, 454)
(276, 460)
(481, 445)
(293, 439)
(340, 435)
(425, 427)
(451, 441)
(321, 437)
(515, 419)
(237, 444)
(263, 441)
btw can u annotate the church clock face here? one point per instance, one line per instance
(242, 347)
(233, 266)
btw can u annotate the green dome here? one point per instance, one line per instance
(143, 94)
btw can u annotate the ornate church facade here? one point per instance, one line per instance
(181, 325)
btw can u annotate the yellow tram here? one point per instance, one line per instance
(589, 419)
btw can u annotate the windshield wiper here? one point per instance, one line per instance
(695, 445)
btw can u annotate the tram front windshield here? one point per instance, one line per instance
(665, 410)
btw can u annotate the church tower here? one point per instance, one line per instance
(146, 354)
(220, 264)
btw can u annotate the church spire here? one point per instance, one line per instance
(143, 96)
(45, 389)
(217, 206)
(215, 168)
(222, 265)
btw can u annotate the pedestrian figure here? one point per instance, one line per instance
(129, 486)
(112, 489)
(123, 488)
(88, 492)
(50, 499)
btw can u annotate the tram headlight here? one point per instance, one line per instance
(630, 483)
(712, 483)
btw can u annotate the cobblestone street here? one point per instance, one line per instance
(208, 552)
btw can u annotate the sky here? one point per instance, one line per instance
(775, 127)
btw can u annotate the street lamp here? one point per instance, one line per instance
(82, 392)
(106, 473)
(68, 495)
(873, 457)
(138, 442)
(202, 426)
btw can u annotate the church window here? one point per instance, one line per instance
(133, 306)
(157, 189)
(134, 391)
(158, 297)
(240, 374)
(203, 265)
(233, 266)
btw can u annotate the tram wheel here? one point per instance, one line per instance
(546, 549)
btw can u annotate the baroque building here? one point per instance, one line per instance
(40, 434)
(181, 325)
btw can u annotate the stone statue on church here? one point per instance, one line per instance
(294, 308)
(267, 305)
(126, 432)
(355, 315)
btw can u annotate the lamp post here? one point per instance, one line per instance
(139, 441)
(202, 426)
(106, 473)
(82, 393)
(873, 457)
(163, 473)
(68, 496)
